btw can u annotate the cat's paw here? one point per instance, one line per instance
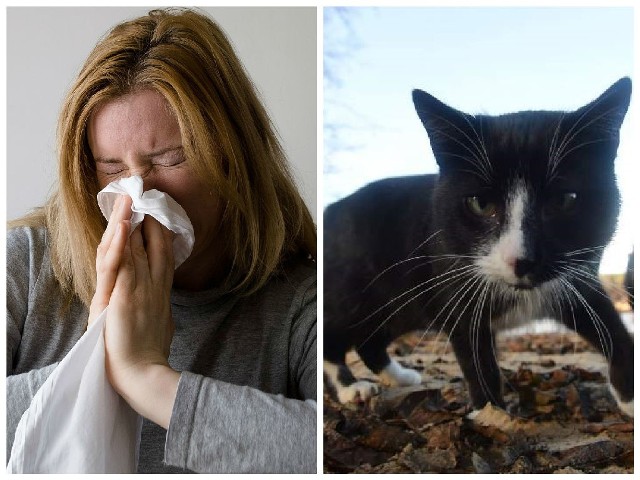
(396, 375)
(625, 407)
(361, 390)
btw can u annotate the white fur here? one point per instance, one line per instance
(626, 407)
(361, 390)
(396, 375)
(331, 371)
(499, 262)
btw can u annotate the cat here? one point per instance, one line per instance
(512, 228)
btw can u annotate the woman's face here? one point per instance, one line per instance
(138, 134)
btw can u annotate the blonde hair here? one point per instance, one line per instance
(227, 137)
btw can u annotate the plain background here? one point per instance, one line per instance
(46, 48)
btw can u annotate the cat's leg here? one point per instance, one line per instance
(347, 388)
(479, 366)
(337, 374)
(374, 354)
(592, 315)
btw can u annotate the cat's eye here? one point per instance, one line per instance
(562, 203)
(481, 206)
(568, 201)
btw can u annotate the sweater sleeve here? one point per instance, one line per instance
(20, 279)
(302, 347)
(224, 428)
(24, 258)
(20, 391)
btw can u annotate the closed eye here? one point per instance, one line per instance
(110, 167)
(169, 158)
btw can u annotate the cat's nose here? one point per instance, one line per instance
(523, 267)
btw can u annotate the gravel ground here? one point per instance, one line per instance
(560, 417)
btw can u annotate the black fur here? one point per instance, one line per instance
(392, 250)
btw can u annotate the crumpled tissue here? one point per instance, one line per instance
(76, 422)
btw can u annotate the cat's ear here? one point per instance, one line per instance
(606, 113)
(453, 134)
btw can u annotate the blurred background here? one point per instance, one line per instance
(47, 46)
(478, 60)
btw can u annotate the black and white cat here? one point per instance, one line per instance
(511, 229)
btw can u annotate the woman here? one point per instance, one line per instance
(221, 354)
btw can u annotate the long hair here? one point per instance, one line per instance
(227, 138)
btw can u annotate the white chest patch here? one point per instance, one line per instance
(499, 262)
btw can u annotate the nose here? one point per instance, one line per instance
(148, 183)
(146, 173)
(523, 267)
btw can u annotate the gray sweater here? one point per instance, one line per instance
(247, 391)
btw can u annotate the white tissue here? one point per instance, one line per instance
(152, 202)
(76, 422)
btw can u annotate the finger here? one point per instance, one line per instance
(121, 211)
(159, 251)
(108, 267)
(126, 276)
(139, 256)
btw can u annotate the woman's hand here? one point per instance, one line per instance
(139, 327)
(139, 324)
(134, 279)
(109, 255)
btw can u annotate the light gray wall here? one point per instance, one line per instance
(46, 48)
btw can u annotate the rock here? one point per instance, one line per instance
(343, 455)
(573, 397)
(587, 376)
(573, 425)
(443, 436)
(510, 454)
(560, 377)
(525, 376)
(589, 454)
(480, 464)
(522, 465)
(619, 427)
(426, 460)
(566, 470)
(386, 438)
(403, 400)
(544, 398)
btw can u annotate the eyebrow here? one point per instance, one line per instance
(147, 156)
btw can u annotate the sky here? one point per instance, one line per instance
(479, 60)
